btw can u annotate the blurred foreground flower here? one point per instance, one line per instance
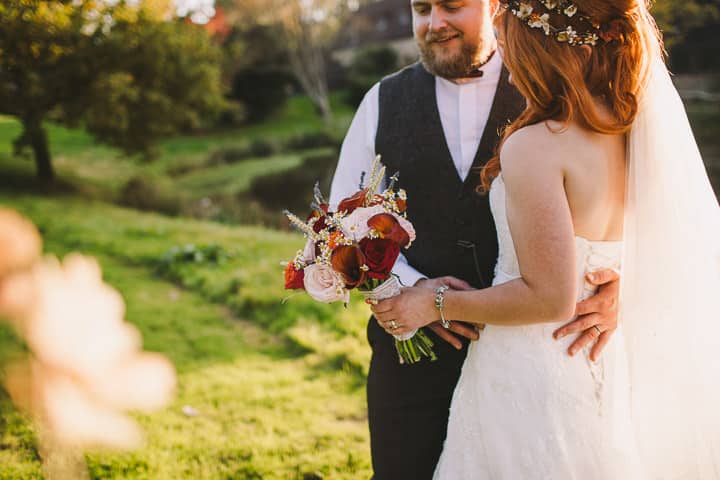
(20, 247)
(20, 242)
(86, 367)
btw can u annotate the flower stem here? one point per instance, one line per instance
(415, 349)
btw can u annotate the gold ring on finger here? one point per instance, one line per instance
(393, 325)
(597, 328)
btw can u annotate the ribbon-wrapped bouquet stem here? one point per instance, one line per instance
(356, 247)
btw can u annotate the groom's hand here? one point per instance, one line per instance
(452, 282)
(455, 327)
(596, 317)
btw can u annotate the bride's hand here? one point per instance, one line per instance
(596, 317)
(456, 330)
(412, 309)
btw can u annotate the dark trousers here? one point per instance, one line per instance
(408, 406)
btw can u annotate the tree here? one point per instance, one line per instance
(368, 66)
(691, 31)
(260, 78)
(308, 28)
(125, 72)
(677, 19)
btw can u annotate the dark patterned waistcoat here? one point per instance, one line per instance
(455, 230)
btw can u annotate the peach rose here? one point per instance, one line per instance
(324, 285)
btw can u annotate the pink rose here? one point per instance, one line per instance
(355, 225)
(324, 285)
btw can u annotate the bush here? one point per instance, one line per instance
(233, 209)
(292, 189)
(209, 255)
(263, 147)
(366, 69)
(145, 194)
(262, 91)
(310, 140)
(185, 166)
(233, 114)
(227, 155)
(258, 148)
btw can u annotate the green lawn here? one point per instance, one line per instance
(102, 171)
(236, 178)
(279, 387)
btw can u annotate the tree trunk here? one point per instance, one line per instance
(36, 138)
(307, 61)
(325, 110)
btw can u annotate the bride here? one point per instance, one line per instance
(600, 171)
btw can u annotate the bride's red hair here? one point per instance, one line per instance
(563, 82)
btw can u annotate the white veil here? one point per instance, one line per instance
(670, 291)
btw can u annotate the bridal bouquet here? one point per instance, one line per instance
(356, 246)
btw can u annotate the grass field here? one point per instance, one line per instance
(279, 388)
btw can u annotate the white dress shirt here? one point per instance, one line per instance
(464, 110)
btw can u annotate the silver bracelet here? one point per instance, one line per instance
(440, 303)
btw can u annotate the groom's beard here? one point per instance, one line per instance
(459, 65)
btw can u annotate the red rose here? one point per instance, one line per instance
(380, 256)
(294, 278)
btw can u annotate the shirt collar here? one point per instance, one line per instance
(491, 71)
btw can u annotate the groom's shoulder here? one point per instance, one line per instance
(405, 74)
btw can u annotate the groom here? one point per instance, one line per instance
(436, 122)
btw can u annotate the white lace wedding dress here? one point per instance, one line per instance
(525, 410)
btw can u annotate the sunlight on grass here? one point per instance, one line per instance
(237, 177)
(100, 168)
(271, 403)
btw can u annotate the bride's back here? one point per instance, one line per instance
(581, 67)
(594, 166)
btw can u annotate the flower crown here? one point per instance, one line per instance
(594, 33)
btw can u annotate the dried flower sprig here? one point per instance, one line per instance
(565, 33)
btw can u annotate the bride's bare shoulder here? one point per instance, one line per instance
(534, 144)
